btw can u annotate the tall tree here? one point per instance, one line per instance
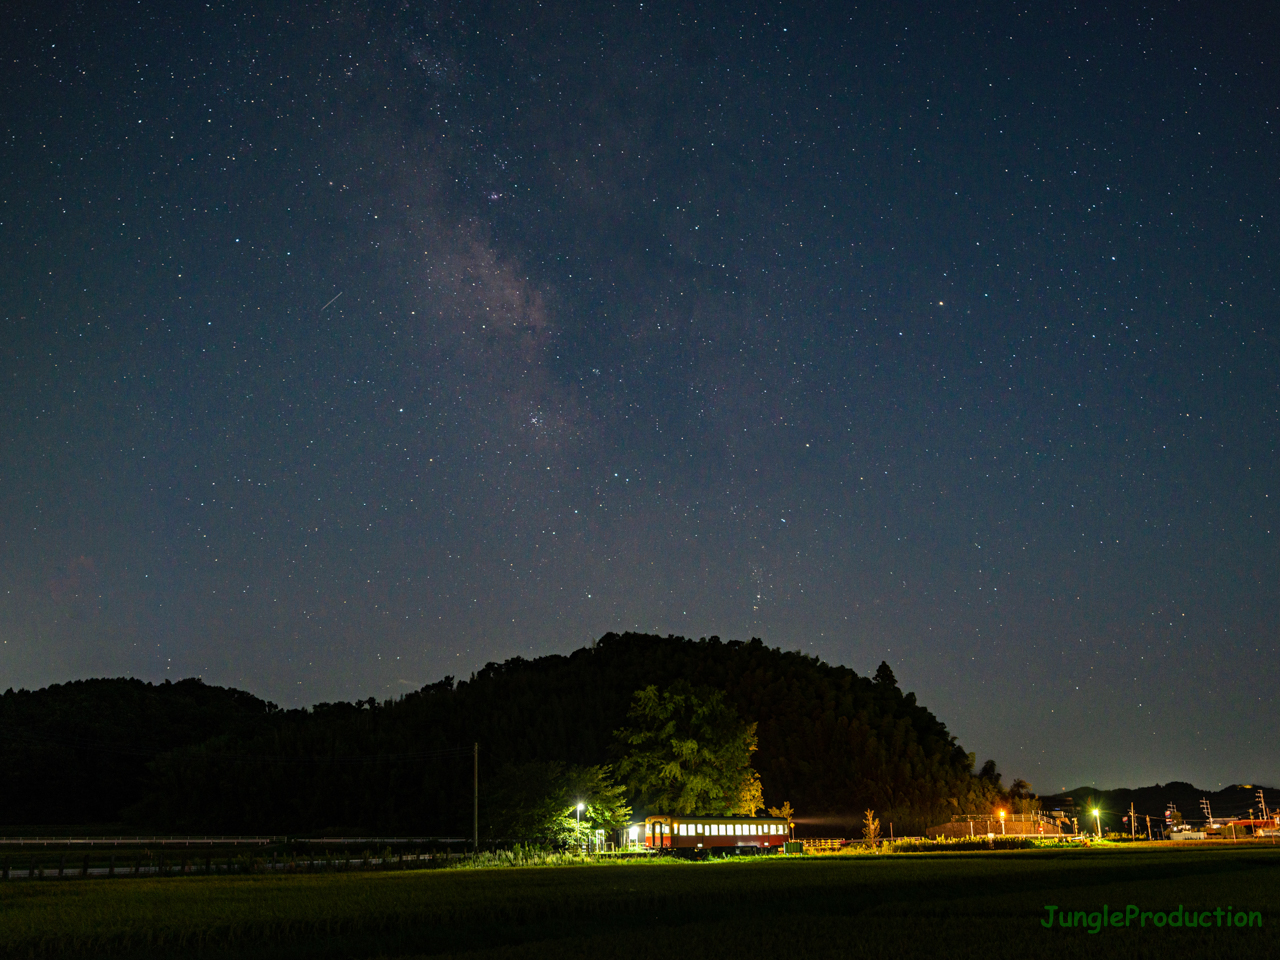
(687, 751)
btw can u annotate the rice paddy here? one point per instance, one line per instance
(959, 904)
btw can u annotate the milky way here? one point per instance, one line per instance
(348, 347)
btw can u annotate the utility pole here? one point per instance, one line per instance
(1262, 802)
(1148, 826)
(475, 797)
(1133, 828)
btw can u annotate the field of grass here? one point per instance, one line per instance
(979, 904)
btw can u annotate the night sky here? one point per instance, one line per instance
(349, 345)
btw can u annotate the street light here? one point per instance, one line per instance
(579, 815)
(1002, 823)
(1097, 817)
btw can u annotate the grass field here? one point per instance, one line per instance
(981, 904)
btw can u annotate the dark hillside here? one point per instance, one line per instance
(830, 742)
(78, 752)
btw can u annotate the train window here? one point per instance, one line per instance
(699, 828)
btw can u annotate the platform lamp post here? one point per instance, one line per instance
(1002, 823)
(579, 815)
(1097, 818)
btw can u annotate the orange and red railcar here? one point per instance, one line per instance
(677, 833)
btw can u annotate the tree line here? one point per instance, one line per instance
(632, 724)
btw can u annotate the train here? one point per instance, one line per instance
(680, 833)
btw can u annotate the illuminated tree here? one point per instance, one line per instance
(688, 752)
(784, 811)
(870, 827)
(750, 797)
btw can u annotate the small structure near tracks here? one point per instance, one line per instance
(1011, 824)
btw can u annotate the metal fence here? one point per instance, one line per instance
(135, 841)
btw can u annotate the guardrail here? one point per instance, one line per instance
(135, 841)
(822, 844)
(384, 841)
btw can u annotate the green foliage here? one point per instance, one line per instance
(687, 752)
(519, 855)
(959, 844)
(539, 801)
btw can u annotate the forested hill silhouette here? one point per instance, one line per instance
(77, 753)
(831, 742)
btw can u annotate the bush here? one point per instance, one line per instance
(520, 855)
(945, 845)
